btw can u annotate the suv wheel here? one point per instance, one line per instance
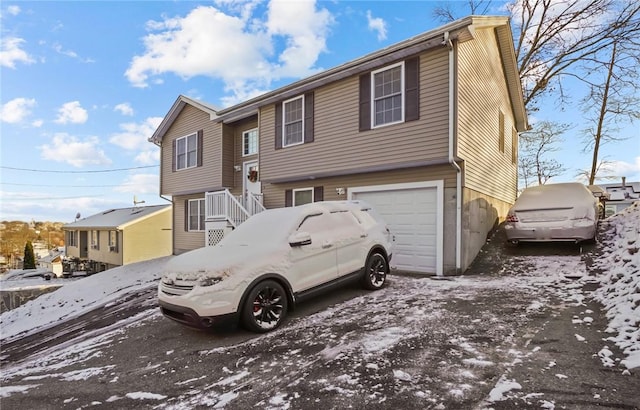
(375, 273)
(265, 307)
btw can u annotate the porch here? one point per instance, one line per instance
(225, 212)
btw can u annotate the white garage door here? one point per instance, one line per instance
(412, 215)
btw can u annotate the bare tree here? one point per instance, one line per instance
(612, 100)
(447, 10)
(535, 147)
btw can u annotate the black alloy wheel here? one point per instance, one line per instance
(265, 307)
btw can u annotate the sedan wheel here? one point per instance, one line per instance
(265, 307)
(376, 271)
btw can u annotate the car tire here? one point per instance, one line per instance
(265, 307)
(375, 271)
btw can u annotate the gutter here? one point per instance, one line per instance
(447, 41)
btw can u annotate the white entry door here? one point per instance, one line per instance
(251, 181)
(414, 215)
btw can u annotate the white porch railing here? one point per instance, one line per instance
(223, 205)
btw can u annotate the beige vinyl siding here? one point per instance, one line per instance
(274, 193)
(148, 238)
(209, 175)
(338, 145)
(482, 94)
(182, 239)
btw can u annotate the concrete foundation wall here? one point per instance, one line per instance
(480, 215)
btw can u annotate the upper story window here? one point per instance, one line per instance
(293, 122)
(388, 95)
(250, 142)
(187, 152)
(196, 215)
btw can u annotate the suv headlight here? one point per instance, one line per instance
(210, 281)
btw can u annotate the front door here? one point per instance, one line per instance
(251, 182)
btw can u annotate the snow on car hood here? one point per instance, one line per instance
(225, 262)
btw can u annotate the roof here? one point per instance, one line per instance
(175, 110)
(460, 30)
(117, 218)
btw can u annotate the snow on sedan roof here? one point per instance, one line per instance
(553, 196)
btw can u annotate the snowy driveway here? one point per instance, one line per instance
(419, 343)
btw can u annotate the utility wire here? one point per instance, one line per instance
(67, 186)
(79, 172)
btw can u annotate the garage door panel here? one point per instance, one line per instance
(412, 216)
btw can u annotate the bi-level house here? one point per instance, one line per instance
(425, 130)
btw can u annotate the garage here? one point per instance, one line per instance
(414, 214)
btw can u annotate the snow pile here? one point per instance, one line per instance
(79, 297)
(620, 281)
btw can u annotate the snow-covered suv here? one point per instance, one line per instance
(273, 261)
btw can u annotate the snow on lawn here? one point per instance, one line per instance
(620, 281)
(79, 297)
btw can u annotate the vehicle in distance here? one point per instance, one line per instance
(553, 212)
(275, 259)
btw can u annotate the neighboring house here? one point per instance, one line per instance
(425, 130)
(620, 196)
(52, 262)
(118, 237)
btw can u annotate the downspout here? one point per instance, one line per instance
(447, 41)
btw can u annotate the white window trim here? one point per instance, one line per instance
(244, 134)
(373, 97)
(96, 244)
(201, 208)
(284, 125)
(186, 152)
(293, 195)
(113, 247)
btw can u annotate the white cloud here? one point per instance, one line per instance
(72, 112)
(378, 25)
(149, 157)
(621, 168)
(140, 184)
(71, 150)
(70, 53)
(124, 109)
(200, 44)
(13, 10)
(12, 53)
(16, 110)
(135, 136)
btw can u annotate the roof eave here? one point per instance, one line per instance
(173, 113)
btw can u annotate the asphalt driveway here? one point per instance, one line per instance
(517, 331)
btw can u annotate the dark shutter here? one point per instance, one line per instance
(288, 198)
(278, 125)
(173, 156)
(186, 215)
(365, 102)
(308, 117)
(412, 89)
(199, 137)
(318, 194)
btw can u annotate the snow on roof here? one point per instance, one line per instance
(116, 218)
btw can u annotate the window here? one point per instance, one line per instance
(388, 95)
(187, 152)
(501, 131)
(113, 241)
(196, 215)
(302, 196)
(293, 121)
(72, 238)
(95, 240)
(250, 142)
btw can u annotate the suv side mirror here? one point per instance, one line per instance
(299, 239)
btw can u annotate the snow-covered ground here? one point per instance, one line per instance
(351, 340)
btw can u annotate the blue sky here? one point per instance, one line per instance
(85, 83)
